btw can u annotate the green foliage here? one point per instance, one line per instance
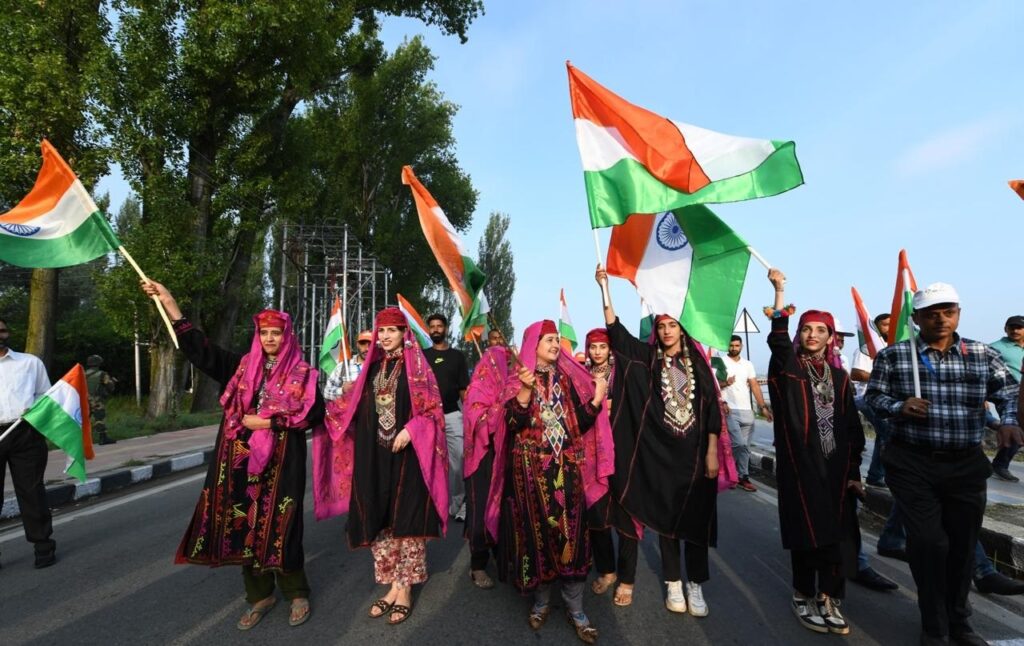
(126, 420)
(496, 261)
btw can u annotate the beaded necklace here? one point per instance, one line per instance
(268, 367)
(550, 401)
(385, 386)
(823, 393)
(677, 390)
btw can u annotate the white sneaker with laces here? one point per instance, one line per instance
(806, 611)
(674, 599)
(695, 599)
(828, 609)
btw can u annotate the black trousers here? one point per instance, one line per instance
(478, 558)
(603, 548)
(942, 497)
(25, 452)
(818, 570)
(696, 557)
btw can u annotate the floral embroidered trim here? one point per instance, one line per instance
(773, 313)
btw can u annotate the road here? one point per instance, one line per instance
(115, 583)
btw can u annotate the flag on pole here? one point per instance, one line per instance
(1018, 187)
(57, 224)
(636, 161)
(867, 334)
(62, 416)
(688, 264)
(902, 299)
(416, 324)
(646, 321)
(465, 278)
(334, 348)
(565, 329)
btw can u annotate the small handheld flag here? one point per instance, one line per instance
(62, 416)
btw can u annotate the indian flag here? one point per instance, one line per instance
(62, 416)
(416, 324)
(465, 278)
(565, 329)
(57, 224)
(686, 263)
(902, 299)
(636, 161)
(334, 348)
(867, 334)
(1017, 185)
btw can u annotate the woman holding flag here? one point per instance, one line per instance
(250, 510)
(667, 426)
(818, 442)
(383, 459)
(552, 408)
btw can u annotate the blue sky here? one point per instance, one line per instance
(907, 119)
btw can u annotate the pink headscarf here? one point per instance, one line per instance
(334, 446)
(728, 476)
(290, 390)
(825, 318)
(598, 448)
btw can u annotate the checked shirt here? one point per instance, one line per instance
(957, 384)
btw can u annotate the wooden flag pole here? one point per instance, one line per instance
(156, 299)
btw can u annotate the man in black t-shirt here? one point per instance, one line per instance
(452, 373)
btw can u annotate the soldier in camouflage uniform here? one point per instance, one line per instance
(101, 385)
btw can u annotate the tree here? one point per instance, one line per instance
(496, 262)
(48, 67)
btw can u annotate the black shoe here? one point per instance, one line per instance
(869, 578)
(46, 559)
(1004, 474)
(898, 554)
(965, 636)
(997, 583)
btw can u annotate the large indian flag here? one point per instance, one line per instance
(636, 161)
(57, 224)
(416, 324)
(62, 416)
(565, 329)
(465, 278)
(688, 264)
(900, 326)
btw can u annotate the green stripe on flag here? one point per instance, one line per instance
(53, 422)
(566, 331)
(717, 275)
(92, 239)
(628, 187)
(904, 327)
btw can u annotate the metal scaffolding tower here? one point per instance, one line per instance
(320, 261)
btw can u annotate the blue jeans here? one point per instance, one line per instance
(741, 428)
(894, 535)
(876, 472)
(982, 565)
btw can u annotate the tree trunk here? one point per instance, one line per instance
(163, 396)
(41, 339)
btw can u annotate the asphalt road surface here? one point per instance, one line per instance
(115, 583)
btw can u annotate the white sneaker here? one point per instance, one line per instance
(674, 599)
(695, 599)
(807, 612)
(460, 515)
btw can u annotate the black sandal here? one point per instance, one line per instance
(405, 611)
(538, 615)
(586, 632)
(381, 604)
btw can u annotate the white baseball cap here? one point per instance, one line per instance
(840, 328)
(935, 294)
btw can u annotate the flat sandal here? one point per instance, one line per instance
(382, 605)
(404, 611)
(586, 632)
(538, 615)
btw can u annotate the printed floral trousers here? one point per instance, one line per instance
(399, 560)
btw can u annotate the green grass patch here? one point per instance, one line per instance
(126, 420)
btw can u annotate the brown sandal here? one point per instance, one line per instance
(404, 611)
(586, 632)
(382, 605)
(623, 595)
(484, 581)
(538, 615)
(602, 583)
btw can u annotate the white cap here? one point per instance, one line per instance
(934, 294)
(840, 328)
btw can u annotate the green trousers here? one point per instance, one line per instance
(260, 586)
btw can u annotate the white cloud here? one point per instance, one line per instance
(951, 147)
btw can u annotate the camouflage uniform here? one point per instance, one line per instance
(101, 385)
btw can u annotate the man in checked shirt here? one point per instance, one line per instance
(934, 463)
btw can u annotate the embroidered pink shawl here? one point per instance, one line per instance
(290, 392)
(334, 444)
(484, 407)
(598, 448)
(728, 476)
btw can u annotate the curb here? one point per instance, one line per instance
(105, 482)
(998, 539)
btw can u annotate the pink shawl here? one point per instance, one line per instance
(290, 392)
(728, 476)
(598, 448)
(484, 408)
(334, 445)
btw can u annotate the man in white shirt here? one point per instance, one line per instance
(23, 380)
(741, 382)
